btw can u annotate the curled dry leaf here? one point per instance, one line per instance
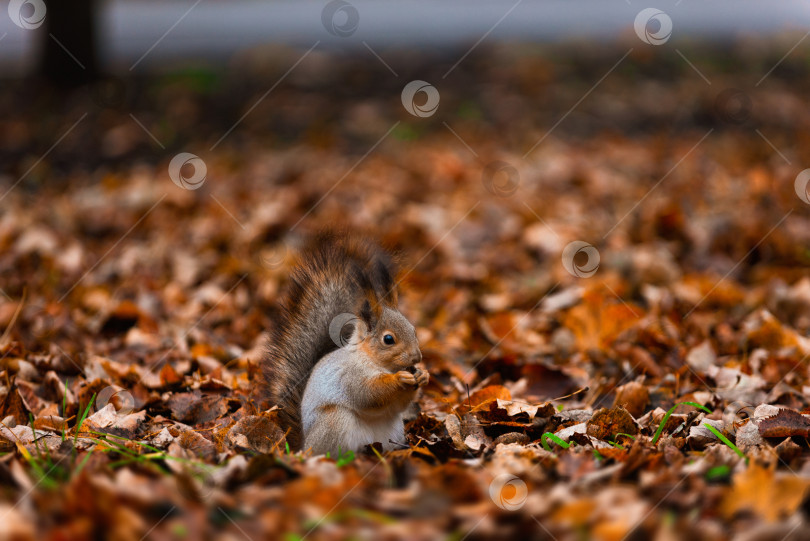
(784, 424)
(633, 397)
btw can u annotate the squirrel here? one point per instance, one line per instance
(341, 362)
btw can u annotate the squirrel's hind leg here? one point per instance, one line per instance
(396, 436)
(340, 430)
(332, 433)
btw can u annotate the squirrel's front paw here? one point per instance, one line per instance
(422, 377)
(406, 379)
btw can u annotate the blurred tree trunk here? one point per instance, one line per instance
(69, 53)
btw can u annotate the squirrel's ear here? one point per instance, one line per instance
(387, 285)
(370, 310)
(368, 316)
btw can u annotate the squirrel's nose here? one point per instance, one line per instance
(416, 358)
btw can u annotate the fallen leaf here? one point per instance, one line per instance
(784, 424)
(632, 396)
(764, 492)
(487, 394)
(606, 423)
(259, 433)
(196, 408)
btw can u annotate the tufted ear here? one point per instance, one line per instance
(370, 314)
(370, 309)
(388, 289)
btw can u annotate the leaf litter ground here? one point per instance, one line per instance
(663, 396)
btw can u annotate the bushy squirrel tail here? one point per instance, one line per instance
(335, 275)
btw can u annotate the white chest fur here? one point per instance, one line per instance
(331, 420)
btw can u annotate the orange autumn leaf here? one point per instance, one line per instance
(488, 394)
(762, 491)
(169, 376)
(598, 320)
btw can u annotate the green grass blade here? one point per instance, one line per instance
(556, 439)
(34, 463)
(142, 444)
(725, 440)
(718, 472)
(64, 410)
(83, 417)
(345, 458)
(84, 461)
(116, 447)
(669, 414)
(34, 434)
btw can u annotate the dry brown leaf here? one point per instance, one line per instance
(632, 396)
(606, 423)
(784, 424)
(259, 433)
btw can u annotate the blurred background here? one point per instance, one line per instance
(585, 195)
(116, 60)
(582, 118)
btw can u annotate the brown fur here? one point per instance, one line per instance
(336, 274)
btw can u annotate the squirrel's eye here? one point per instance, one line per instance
(388, 340)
